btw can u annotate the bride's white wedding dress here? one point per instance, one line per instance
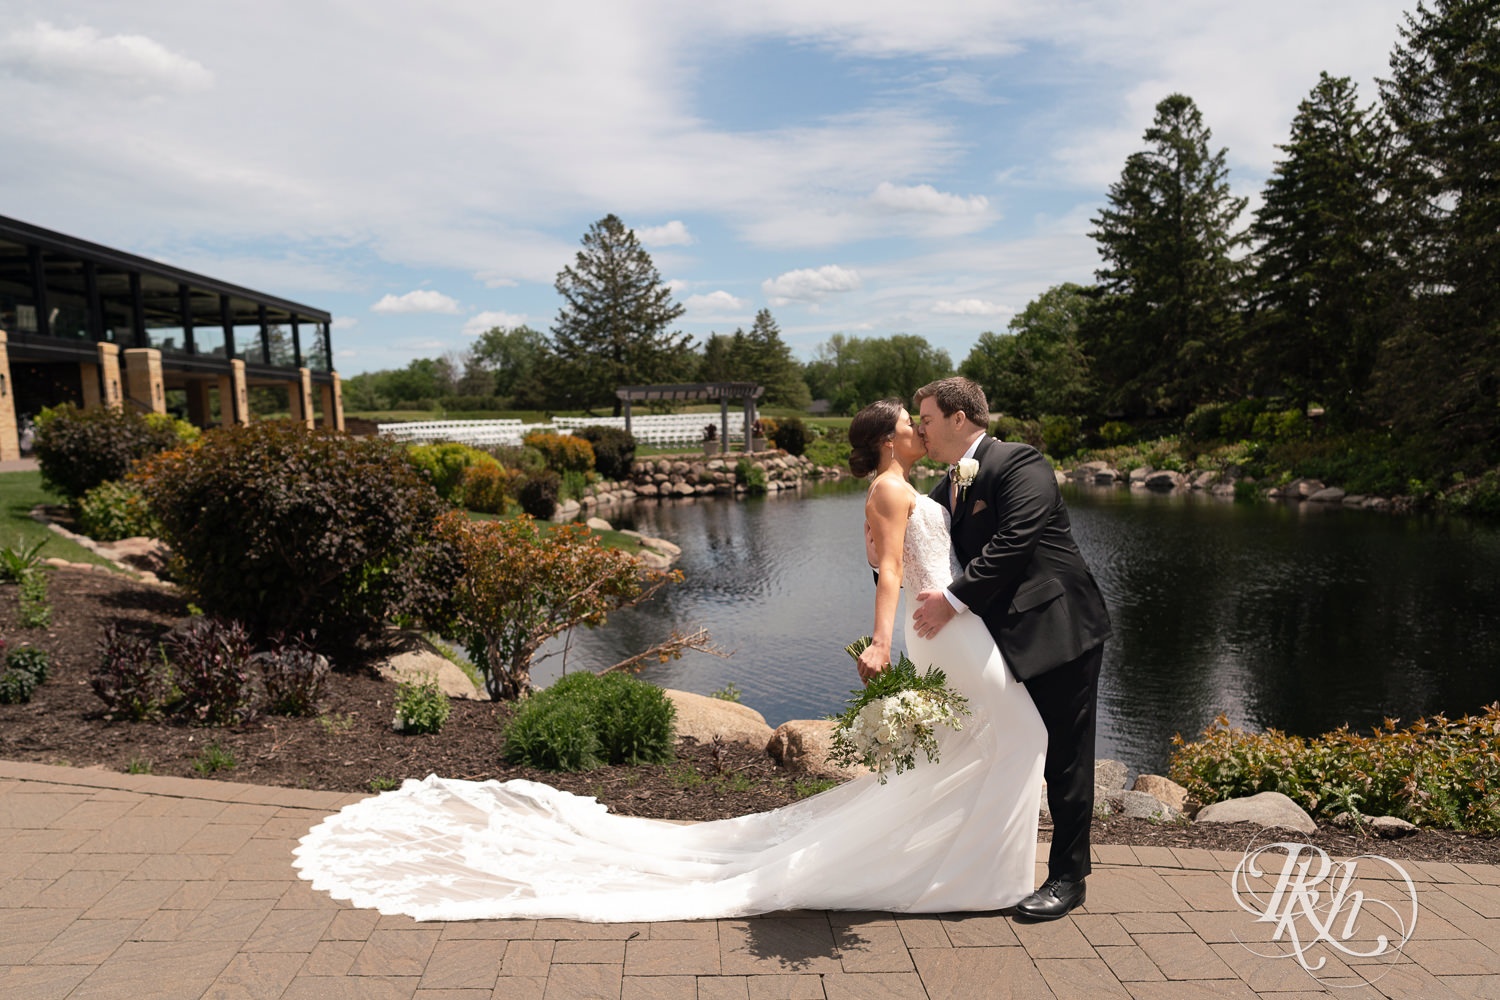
(959, 834)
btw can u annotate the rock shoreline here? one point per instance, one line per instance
(1225, 484)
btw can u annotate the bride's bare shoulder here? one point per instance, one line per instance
(889, 496)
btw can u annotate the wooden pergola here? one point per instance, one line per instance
(745, 392)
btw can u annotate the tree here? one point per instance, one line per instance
(520, 587)
(612, 328)
(510, 355)
(1440, 372)
(1038, 367)
(1318, 277)
(1160, 337)
(850, 372)
(758, 356)
(477, 379)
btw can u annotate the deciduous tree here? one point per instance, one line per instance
(1037, 367)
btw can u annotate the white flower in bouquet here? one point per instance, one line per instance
(895, 716)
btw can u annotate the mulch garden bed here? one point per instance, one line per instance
(351, 747)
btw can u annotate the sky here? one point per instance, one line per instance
(424, 171)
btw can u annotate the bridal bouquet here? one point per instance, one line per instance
(894, 716)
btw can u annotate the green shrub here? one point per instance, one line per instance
(79, 449)
(614, 450)
(1479, 496)
(36, 609)
(1114, 432)
(1433, 773)
(750, 475)
(584, 720)
(130, 676)
(1285, 425)
(538, 493)
(1016, 429)
(564, 452)
(446, 465)
(488, 488)
(1237, 419)
(23, 671)
(791, 436)
(1061, 436)
(114, 510)
(522, 459)
(283, 528)
(420, 707)
(1204, 422)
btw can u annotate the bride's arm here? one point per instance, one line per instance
(886, 511)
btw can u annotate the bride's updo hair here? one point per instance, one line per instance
(868, 432)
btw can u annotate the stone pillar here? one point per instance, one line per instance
(200, 405)
(299, 395)
(10, 437)
(143, 376)
(88, 373)
(333, 403)
(234, 398)
(109, 375)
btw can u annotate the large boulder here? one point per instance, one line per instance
(417, 661)
(1109, 776)
(1165, 790)
(1329, 494)
(703, 718)
(1164, 480)
(1301, 489)
(802, 745)
(1138, 805)
(1263, 809)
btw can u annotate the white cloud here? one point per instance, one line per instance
(714, 302)
(925, 199)
(344, 323)
(422, 300)
(970, 307)
(482, 322)
(672, 234)
(71, 57)
(675, 285)
(808, 285)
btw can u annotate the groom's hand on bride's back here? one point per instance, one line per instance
(933, 612)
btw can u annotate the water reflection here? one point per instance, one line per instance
(1297, 617)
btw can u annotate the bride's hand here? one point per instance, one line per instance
(872, 661)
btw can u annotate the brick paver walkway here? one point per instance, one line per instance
(131, 886)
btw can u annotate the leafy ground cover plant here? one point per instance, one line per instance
(25, 668)
(36, 609)
(79, 449)
(283, 528)
(520, 587)
(585, 720)
(114, 510)
(1437, 772)
(421, 707)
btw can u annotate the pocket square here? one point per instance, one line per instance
(979, 505)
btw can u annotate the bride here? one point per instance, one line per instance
(957, 834)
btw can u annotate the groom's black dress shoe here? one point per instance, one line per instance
(1054, 899)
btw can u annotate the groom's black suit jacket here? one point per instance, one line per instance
(1023, 573)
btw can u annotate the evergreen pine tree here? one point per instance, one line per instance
(612, 328)
(1161, 334)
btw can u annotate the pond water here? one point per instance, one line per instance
(1298, 617)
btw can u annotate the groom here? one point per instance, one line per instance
(1023, 575)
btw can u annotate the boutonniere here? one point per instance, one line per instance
(968, 468)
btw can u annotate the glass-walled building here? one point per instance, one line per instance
(95, 326)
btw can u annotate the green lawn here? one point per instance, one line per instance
(21, 491)
(611, 539)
